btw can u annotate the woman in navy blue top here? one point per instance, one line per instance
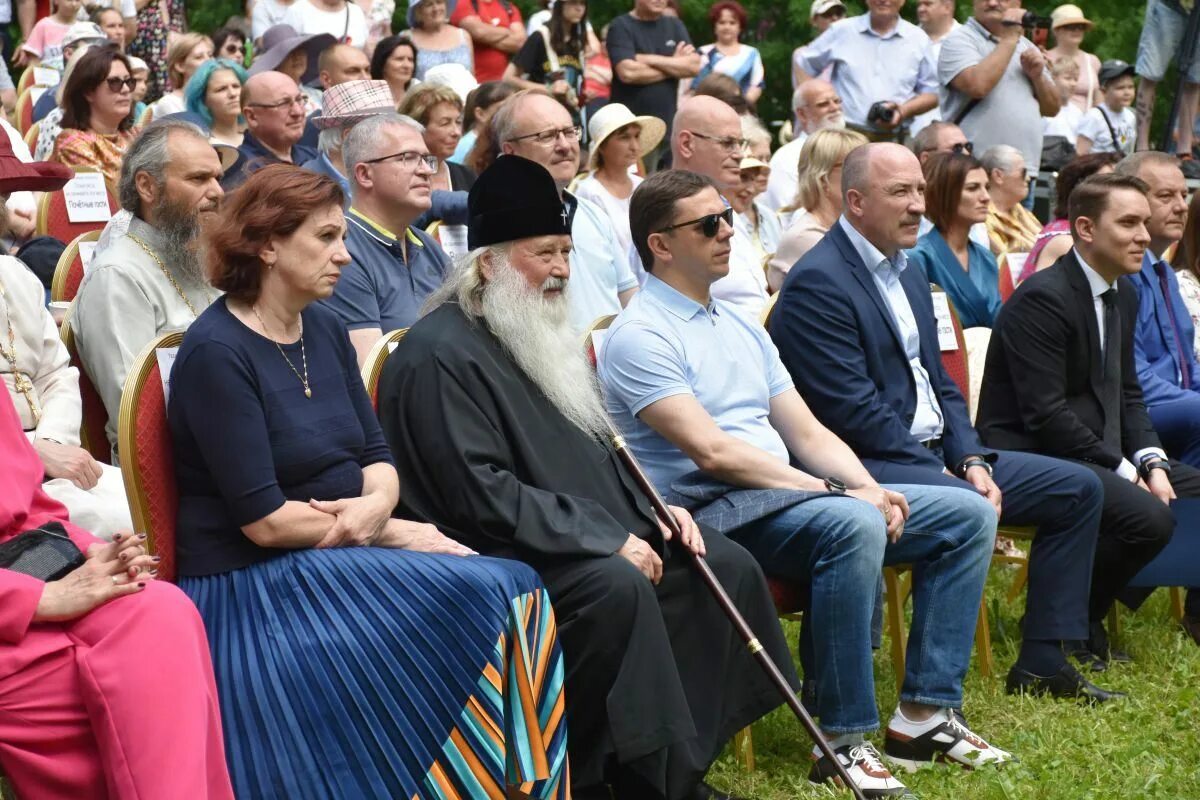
(356, 655)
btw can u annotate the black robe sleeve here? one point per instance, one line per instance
(450, 442)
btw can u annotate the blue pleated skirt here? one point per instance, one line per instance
(377, 673)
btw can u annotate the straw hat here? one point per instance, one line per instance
(614, 116)
(1068, 14)
(750, 162)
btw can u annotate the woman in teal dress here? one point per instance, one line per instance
(956, 197)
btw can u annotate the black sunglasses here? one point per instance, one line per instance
(963, 148)
(115, 84)
(709, 224)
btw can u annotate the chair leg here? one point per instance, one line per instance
(1018, 584)
(743, 748)
(983, 642)
(1114, 623)
(1177, 603)
(894, 620)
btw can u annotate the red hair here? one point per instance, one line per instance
(733, 7)
(274, 201)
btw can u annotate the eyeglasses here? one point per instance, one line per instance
(709, 224)
(730, 144)
(409, 159)
(115, 84)
(963, 148)
(234, 48)
(550, 136)
(286, 102)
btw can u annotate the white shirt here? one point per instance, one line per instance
(1094, 126)
(1099, 286)
(266, 14)
(349, 23)
(928, 422)
(746, 284)
(784, 181)
(935, 113)
(1064, 123)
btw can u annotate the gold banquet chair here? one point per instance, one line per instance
(372, 366)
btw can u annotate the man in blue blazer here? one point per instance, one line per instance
(857, 331)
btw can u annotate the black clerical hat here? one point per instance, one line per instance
(514, 198)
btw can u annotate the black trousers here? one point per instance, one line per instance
(1134, 526)
(657, 680)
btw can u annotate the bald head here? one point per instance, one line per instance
(818, 106)
(883, 194)
(341, 63)
(274, 111)
(707, 139)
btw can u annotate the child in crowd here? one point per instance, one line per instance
(139, 70)
(1110, 127)
(44, 45)
(1065, 72)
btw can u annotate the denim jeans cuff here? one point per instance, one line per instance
(929, 700)
(840, 730)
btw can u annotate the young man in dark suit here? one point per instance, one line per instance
(1061, 380)
(856, 329)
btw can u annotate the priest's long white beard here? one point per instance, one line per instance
(537, 334)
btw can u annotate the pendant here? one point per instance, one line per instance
(307, 392)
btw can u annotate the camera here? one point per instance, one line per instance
(880, 113)
(1031, 21)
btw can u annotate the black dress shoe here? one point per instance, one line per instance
(1067, 682)
(1087, 660)
(705, 792)
(1099, 646)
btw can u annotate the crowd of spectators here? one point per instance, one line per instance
(296, 189)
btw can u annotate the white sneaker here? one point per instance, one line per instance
(865, 768)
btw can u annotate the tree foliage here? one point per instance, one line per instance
(778, 26)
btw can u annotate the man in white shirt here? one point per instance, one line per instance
(151, 280)
(936, 18)
(706, 138)
(817, 106)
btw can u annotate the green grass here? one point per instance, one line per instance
(1146, 747)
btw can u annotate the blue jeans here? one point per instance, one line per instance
(838, 545)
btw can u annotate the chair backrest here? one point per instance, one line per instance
(764, 316)
(147, 458)
(52, 218)
(68, 273)
(31, 136)
(589, 338)
(955, 361)
(24, 110)
(95, 417)
(372, 367)
(25, 81)
(1006, 280)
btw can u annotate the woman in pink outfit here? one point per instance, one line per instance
(106, 689)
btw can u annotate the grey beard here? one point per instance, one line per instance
(537, 334)
(178, 243)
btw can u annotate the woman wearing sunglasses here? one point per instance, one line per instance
(97, 122)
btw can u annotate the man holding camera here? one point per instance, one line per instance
(882, 69)
(996, 84)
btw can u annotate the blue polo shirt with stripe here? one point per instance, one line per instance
(380, 287)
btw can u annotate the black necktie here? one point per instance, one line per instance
(1111, 393)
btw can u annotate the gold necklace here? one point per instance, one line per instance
(21, 381)
(166, 272)
(303, 356)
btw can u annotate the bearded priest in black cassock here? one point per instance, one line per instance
(499, 432)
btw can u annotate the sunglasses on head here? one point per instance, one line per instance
(709, 224)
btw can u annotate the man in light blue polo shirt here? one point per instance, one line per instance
(703, 399)
(395, 266)
(877, 58)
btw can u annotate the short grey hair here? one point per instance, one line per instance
(1132, 164)
(329, 140)
(362, 142)
(1002, 157)
(464, 283)
(798, 101)
(148, 153)
(754, 131)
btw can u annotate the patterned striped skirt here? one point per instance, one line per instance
(375, 673)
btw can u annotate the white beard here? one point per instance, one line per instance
(535, 331)
(836, 123)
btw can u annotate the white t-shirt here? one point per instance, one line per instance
(266, 14)
(1094, 127)
(784, 181)
(1064, 123)
(348, 24)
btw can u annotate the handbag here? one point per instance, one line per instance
(46, 553)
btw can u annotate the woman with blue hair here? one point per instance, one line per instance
(213, 97)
